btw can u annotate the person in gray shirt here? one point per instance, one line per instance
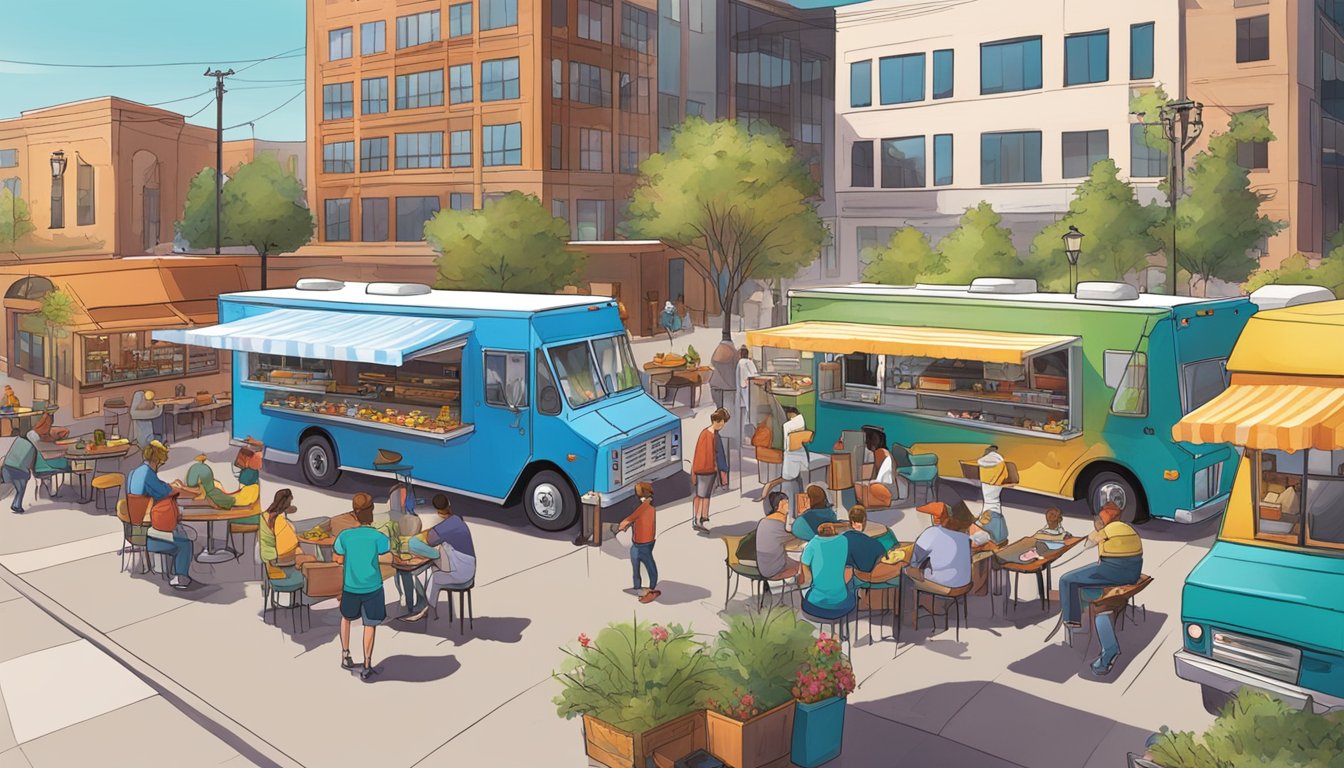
(18, 469)
(771, 536)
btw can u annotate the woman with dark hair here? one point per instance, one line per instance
(772, 535)
(278, 543)
(878, 491)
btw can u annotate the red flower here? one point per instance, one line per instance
(584, 640)
(658, 633)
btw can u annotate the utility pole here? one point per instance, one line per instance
(219, 151)
(1182, 122)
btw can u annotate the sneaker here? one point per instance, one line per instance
(179, 582)
(650, 596)
(366, 672)
(417, 616)
(16, 511)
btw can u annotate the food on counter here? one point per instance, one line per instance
(937, 383)
(692, 357)
(440, 423)
(794, 382)
(314, 534)
(668, 360)
(1055, 427)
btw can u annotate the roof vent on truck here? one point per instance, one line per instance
(1106, 291)
(1280, 296)
(397, 289)
(1002, 285)
(940, 287)
(319, 284)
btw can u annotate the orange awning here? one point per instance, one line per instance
(1283, 413)
(907, 341)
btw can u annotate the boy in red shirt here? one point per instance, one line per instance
(709, 467)
(645, 522)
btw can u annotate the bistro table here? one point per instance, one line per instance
(1009, 559)
(17, 421)
(195, 511)
(177, 406)
(416, 566)
(90, 454)
(893, 585)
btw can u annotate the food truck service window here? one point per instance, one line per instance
(1300, 498)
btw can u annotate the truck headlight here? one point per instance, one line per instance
(1194, 632)
(616, 466)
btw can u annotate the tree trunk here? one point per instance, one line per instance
(263, 270)
(726, 307)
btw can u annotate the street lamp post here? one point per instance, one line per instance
(58, 162)
(1073, 248)
(1182, 122)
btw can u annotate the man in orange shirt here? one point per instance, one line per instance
(709, 467)
(645, 522)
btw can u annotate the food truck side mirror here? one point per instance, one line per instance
(515, 394)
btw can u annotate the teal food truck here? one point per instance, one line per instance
(503, 397)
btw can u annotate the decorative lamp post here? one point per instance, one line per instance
(57, 164)
(1073, 248)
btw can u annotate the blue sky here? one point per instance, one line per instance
(153, 32)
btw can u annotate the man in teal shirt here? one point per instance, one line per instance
(362, 587)
(826, 571)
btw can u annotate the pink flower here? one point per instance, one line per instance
(748, 700)
(658, 633)
(584, 640)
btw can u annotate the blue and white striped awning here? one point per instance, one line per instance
(326, 335)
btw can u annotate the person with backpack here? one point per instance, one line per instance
(146, 493)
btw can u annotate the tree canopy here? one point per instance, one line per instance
(907, 258)
(1298, 270)
(15, 220)
(512, 244)
(980, 246)
(1116, 229)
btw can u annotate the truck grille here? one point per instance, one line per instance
(1263, 657)
(644, 457)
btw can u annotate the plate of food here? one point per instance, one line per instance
(894, 556)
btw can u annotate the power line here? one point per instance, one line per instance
(199, 111)
(286, 102)
(282, 54)
(280, 80)
(290, 54)
(184, 98)
(262, 87)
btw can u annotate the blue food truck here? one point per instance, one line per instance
(496, 396)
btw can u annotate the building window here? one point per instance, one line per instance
(84, 212)
(459, 20)
(697, 15)
(1010, 65)
(373, 95)
(942, 74)
(420, 89)
(338, 101)
(559, 13)
(372, 37)
(460, 201)
(557, 147)
(340, 44)
(9, 158)
(589, 84)
(14, 184)
(1145, 161)
(499, 79)
(417, 29)
(1254, 155)
(861, 164)
(592, 220)
(636, 27)
(373, 154)
(560, 209)
(338, 157)
(412, 215)
(557, 79)
(670, 9)
(337, 219)
(903, 163)
(901, 78)
(634, 150)
(635, 94)
(861, 83)
(1082, 150)
(1253, 39)
(1010, 158)
(420, 150)
(594, 147)
(497, 14)
(942, 159)
(490, 198)
(32, 355)
(373, 219)
(459, 84)
(1141, 51)
(58, 202)
(1087, 58)
(459, 149)
(595, 20)
(502, 144)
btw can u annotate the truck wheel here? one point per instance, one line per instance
(550, 501)
(1115, 488)
(1214, 699)
(318, 459)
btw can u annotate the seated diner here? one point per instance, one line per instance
(829, 579)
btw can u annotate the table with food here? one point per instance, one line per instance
(1032, 556)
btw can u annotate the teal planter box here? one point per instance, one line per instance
(818, 732)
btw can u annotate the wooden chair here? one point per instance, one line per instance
(956, 600)
(103, 485)
(1117, 601)
(321, 581)
(133, 542)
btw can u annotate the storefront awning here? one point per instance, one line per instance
(325, 335)
(1270, 413)
(907, 341)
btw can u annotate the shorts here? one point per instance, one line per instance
(704, 485)
(371, 606)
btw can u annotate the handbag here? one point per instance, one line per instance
(137, 508)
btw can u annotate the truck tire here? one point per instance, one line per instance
(1214, 699)
(550, 501)
(317, 457)
(1115, 487)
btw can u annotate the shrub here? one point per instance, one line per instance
(826, 674)
(1255, 729)
(757, 658)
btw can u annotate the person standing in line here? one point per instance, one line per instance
(18, 469)
(362, 581)
(723, 380)
(709, 468)
(644, 521)
(746, 369)
(993, 477)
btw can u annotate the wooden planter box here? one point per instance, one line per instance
(663, 744)
(761, 742)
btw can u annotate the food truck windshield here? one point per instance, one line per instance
(589, 371)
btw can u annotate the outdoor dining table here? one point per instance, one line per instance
(194, 511)
(871, 529)
(90, 454)
(17, 421)
(1009, 559)
(187, 405)
(417, 566)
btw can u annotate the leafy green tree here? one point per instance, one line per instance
(736, 204)
(981, 246)
(512, 244)
(1116, 228)
(197, 226)
(57, 310)
(15, 221)
(1298, 270)
(906, 258)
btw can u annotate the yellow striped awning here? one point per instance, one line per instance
(907, 341)
(1285, 413)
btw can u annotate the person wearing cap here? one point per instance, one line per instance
(1119, 562)
(450, 545)
(644, 522)
(167, 535)
(941, 561)
(362, 597)
(819, 511)
(709, 468)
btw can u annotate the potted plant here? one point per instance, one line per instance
(1255, 729)
(638, 687)
(749, 719)
(821, 687)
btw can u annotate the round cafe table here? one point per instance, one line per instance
(195, 512)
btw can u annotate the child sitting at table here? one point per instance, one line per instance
(1054, 526)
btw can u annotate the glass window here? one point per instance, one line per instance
(338, 101)
(417, 29)
(506, 379)
(459, 83)
(372, 37)
(594, 147)
(1082, 150)
(942, 74)
(595, 20)
(1204, 381)
(636, 27)
(373, 219)
(14, 184)
(1010, 158)
(373, 154)
(502, 144)
(589, 84)
(578, 376)
(560, 209)
(617, 364)
(861, 83)
(634, 150)
(420, 89)
(497, 14)
(460, 201)
(412, 214)
(1325, 504)
(1253, 39)
(373, 95)
(1141, 51)
(861, 164)
(97, 359)
(84, 194)
(1010, 65)
(338, 157)
(635, 94)
(338, 219)
(557, 79)
(1279, 495)
(903, 163)
(499, 79)
(459, 149)
(1131, 394)
(557, 146)
(548, 394)
(860, 369)
(901, 78)
(32, 355)
(591, 221)
(340, 43)
(9, 158)
(559, 13)
(1254, 155)
(1087, 58)
(1145, 161)
(459, 20)
(420, 150)
(942, 159)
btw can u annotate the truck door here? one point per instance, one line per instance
(502, 442)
